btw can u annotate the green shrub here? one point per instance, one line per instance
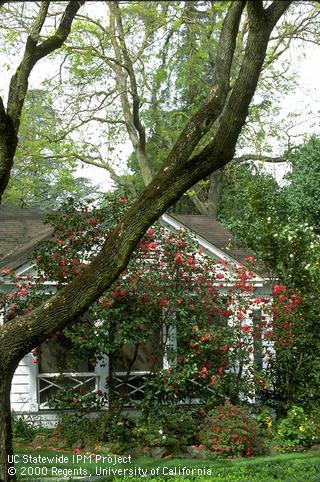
(266, 420)
(169, 427)
(298, 429)
(24, 427)
(77, 428)
(232, 431)
(116, 429)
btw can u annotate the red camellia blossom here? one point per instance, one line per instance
(21, 292)
(278, 289)
(152, 245)
(179, 258)
(163, 302)
(180, 244)
(205, 337)
(153, 358)
(245, 328)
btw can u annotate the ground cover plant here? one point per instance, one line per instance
(294, 467)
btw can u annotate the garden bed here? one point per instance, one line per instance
(68, 465)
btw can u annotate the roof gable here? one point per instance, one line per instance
(22, 229)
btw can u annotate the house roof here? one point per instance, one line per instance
(22, 229)
(213, 231)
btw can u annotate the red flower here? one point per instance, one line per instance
(249, 259)
(205, 337)
(226, 313)
(152, 245)
(153, 358)
(278, 289)
(163, 302)
(122, 200)
(180, 244)
(225, 348)
(245, 328)
(179, 258)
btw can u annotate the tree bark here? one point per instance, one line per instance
(123, 68)
(8, 144)
(7, 471)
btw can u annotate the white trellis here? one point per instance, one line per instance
(59, 381)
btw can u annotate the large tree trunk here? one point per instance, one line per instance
(8, 145)
(7, 471)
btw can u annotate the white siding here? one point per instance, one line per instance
(23, 393)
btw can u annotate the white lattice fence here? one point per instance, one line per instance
(50, 383)
(131, 387)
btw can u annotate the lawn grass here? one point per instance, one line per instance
(294, 467)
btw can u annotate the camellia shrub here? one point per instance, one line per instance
(169, 283)
(230, 430)
(171, 427)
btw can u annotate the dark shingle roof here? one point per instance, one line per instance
(213, 231)
(20, 231)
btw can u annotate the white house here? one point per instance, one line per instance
(33, 383)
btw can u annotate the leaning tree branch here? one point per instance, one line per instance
(257, 157)
(34, 52)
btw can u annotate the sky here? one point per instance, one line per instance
(305, 99)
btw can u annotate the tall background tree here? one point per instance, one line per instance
(37, 46)
(148, 101)
(44, 170)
